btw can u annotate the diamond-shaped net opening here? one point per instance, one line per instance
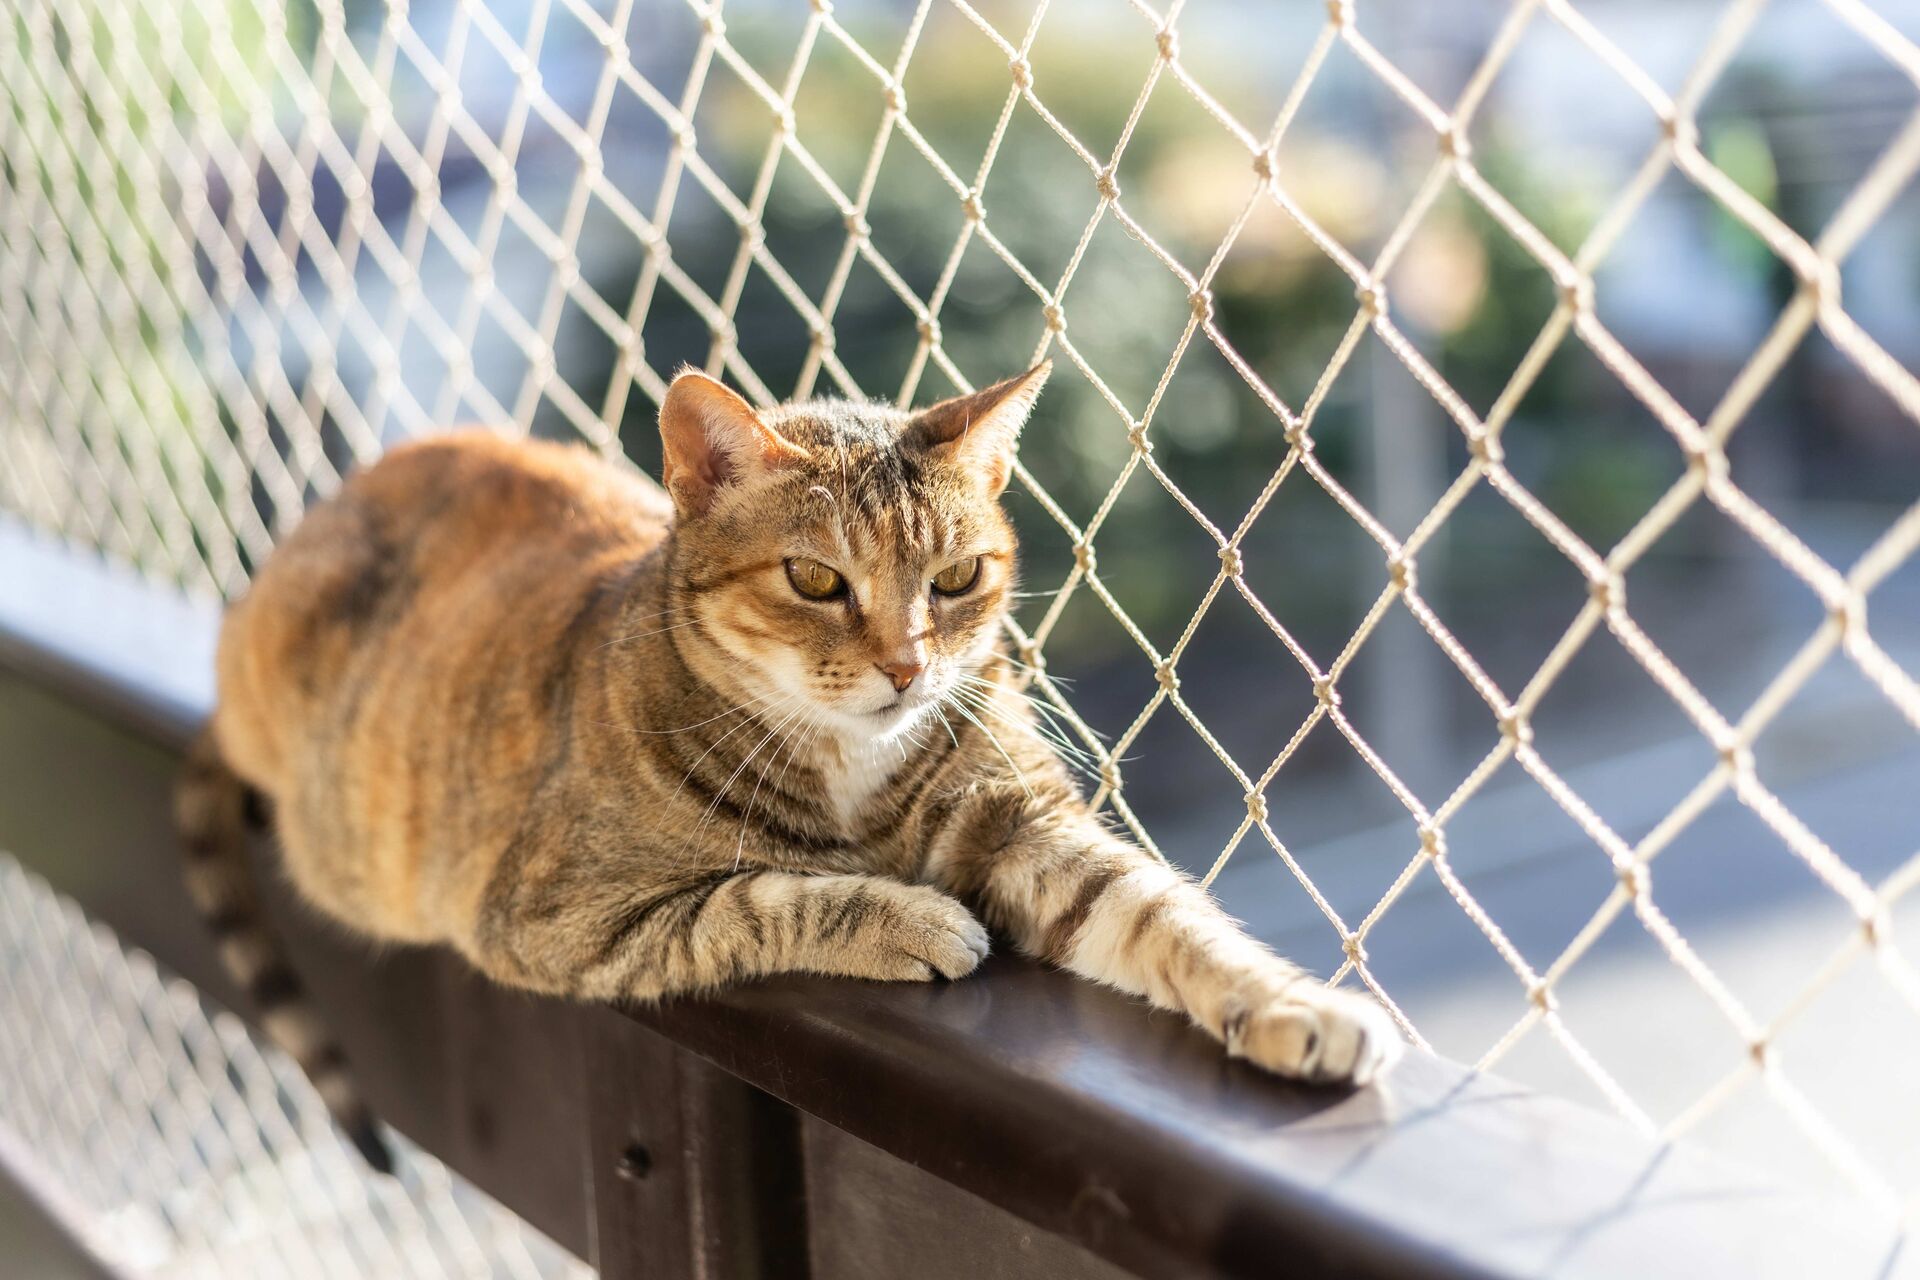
(178, 1144)
(1472, 525)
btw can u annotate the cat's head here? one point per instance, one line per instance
(850, 562)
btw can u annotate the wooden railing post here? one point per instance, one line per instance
(693, 1172)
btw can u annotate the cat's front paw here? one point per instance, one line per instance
(1318, 1035)
(923, 935)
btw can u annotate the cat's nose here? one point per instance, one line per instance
(901, 673)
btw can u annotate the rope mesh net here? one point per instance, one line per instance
(181, 1146)
(232, 263)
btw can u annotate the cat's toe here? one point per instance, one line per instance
(928, 935)
(1358, 1040)
(1380, 1045)
(955, 943)
(1322, 1037)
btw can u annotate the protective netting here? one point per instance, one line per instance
(232, 261)
(179, 1146)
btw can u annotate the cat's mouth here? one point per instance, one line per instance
(902, 704)
(897, 711)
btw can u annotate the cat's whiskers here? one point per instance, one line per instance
(816, 726)
(787, 743)
(1041, 706)
(730, 711)
(947, 723)
(793, 747)
(1019, 773)
(657, 613)
(982, 695)
(1078, 761)
(921, 733)
(714, 745)
(774, 732)
(657, 631)
(1034, 672)
(1043, 724)
(1067, 752)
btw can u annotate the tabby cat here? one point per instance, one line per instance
(617, 742)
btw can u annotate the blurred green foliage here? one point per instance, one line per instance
(1282, 303)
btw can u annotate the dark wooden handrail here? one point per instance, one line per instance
(1019, 1122)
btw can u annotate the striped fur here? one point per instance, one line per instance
(511, 697)
(214, 810)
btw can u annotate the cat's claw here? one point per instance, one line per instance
(1319, 1036)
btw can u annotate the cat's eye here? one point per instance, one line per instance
(957, 577)
(814, 580)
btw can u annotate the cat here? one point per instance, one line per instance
(615, 741)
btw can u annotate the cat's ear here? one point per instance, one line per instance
(711, 438)
(981, 430)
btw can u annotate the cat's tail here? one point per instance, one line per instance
(213, 808)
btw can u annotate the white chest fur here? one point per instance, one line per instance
(862, 772)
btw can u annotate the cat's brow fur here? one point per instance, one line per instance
(500, 697)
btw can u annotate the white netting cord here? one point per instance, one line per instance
(120, 454)
(183, 1147)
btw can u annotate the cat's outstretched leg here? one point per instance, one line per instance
(1069, 892)
(697, 933)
